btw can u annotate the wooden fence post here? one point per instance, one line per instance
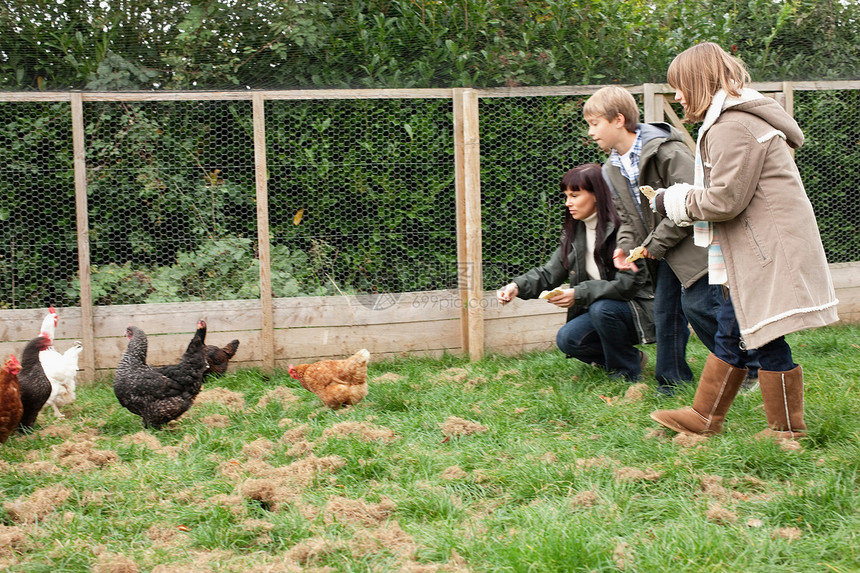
(658, 108)
(788, 103)
(267, 323)
(652, 109)
(87, 363)
(467, 167)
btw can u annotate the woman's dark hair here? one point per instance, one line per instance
(589, 177)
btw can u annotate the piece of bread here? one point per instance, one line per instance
(635, 254)
(550, 293)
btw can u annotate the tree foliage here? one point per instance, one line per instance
(286, 44)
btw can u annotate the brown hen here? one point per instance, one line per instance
(336, 382)
(11, 408)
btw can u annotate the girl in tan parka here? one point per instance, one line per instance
(749, 208)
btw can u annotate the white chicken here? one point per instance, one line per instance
(61, 369)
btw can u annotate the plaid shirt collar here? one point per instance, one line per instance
(632, 176)
(635, 152)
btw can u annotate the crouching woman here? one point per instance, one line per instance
(609, 311)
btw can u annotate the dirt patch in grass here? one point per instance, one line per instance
(39, 467)
(456, 375)
(719, 514)
(790, 533)
(635, 474)
(296, 434)
(658, 434)
(389, 537)
(275, 487)
(258, 449)
(216, 421)
(689, 441)
(38, 505)
(453, 473)
(357, 511)
(363, 431)
(300, 449)
(13, 539)
(737, 489)
(505, 373)
(790, 445)
(312, 551)
(388, 377)
(456, 564)
(166, 535)
(281, 395)
(114, 563)
(63, 431)
(623, 555)
(232, 401)
(151, 442)
(585, 499)
(637, 393)
(81, 455)
(599, 462)
(455, 427)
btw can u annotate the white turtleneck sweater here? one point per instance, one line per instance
(590, 233)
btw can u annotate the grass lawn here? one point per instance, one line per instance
(526, 463)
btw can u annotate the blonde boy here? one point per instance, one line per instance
(655, 154)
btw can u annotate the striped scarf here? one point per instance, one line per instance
(704, 233)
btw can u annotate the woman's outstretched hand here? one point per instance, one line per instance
(507, 293)
(565, 299)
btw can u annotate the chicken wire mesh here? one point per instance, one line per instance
(38, 238)
(527, 144)
(361, 194)
(171, 201)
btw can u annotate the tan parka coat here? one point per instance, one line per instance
(777, 271)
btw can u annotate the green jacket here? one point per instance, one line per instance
(635, 288)
(665, 160)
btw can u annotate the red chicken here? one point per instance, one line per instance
(336, 382)
(11, 408)
(218, 357)
(159, 394)
(35, 386)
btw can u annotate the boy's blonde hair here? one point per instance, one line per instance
(700, 72)
(609, 101)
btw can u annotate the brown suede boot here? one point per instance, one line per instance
(782, 394)
(717, 389)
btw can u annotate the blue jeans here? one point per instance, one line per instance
(676, 309)
(672, 328)
(604, 335)
(774, 356)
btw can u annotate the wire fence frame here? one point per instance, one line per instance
(466, 120)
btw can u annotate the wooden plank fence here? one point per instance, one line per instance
(275, 332)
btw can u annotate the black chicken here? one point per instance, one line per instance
(35, 386)
(159, 394)
(218, 357)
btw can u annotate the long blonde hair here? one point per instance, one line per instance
(700, 72)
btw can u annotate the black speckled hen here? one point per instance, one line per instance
(159, 394)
